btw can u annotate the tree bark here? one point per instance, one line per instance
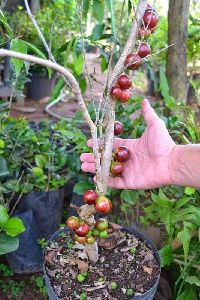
(177, 56)
(35, 5)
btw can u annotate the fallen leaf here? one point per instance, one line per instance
(147, 270)
(49, 257)
(82, 265)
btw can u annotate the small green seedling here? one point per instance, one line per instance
(80, 278)
(83, 296)
(129, 292)
(132, 250)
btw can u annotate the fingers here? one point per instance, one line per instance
(87, 157)
(88, 167)
(148, 112)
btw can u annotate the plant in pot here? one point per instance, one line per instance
(36, 165)
(56, 31)
(105, 260)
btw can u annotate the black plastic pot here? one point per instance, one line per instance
(39, 87)
(41, 213)
(148, 295)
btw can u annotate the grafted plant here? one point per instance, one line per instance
(102, 129)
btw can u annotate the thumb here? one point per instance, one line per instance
(148, 113)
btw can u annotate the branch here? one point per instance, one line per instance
(110, 112)
(130, 42)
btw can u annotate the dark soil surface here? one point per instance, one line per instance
(138, 271)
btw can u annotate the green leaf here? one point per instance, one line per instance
(189, 191)
(104, 64)
(8, 243)
(40, 161)
(185, 237)
(180, 203)
(161, 199)
(86, 6)
(82, 186)
(35, 50)
(164, 88)
(188, 294)
(3, 167)
(2, 144)
(5, 24)
(98, 9)
(4, 217)
(166, 256)
(13, 226)
(79, 63)
(193, 280)
(38, 172)
(129, 196)
(18, 46)
(98, 31)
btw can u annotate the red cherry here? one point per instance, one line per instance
(90, 197)
(73, 222)
(116, 169)
(125, 96)
(82, 230)
(122, 154)
(118, 128)
(124, 82)
(103, 205)
(101, 224)
(150, 18)
(144, 33)
(133, 61)
(79, 239)
(144, 50)
(116, 92)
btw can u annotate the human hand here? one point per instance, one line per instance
(148, 166)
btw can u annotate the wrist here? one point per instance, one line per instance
(174, 176)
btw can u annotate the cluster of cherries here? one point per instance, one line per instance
(120, 155)
(83, 232)
(133, 61)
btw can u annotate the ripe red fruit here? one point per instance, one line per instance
(73, 222)
(90, 197)
(103, 205)
(144, 33)
(116, 169)
(150, 18)
(144, 50)
(122, 154)
(116, 92)
(79, 239)
(118, 128)
(125, 96)
(101, 224)
(133, 61)
(82, 230)
(124, 82)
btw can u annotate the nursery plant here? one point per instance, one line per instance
(90, 234)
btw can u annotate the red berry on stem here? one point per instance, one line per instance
(101, 224)
(118, 128)
(73, 222)
(103, 205)
(125, 96)
(150, 18)
(124, 82)
(116, 169)
(144, 50)
(82, 230)
(116, 92)
(79, 239)
(133, 61)
(90, 197)
(122, 154)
